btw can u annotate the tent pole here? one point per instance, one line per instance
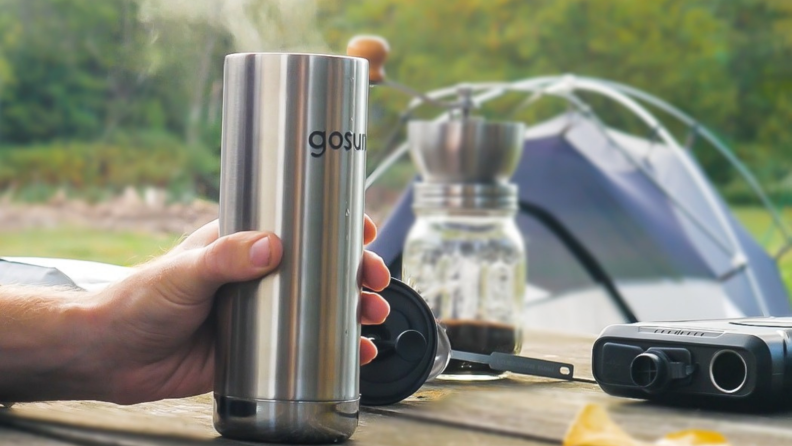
(584, 256)
(783, 251)
(710, 137)
(692, 136)
(386, 164)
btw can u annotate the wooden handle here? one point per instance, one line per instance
(373, 48)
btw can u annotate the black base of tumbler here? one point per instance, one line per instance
(275, 421)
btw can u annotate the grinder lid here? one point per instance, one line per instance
(407, 344)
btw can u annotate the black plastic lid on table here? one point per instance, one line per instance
(407, 344)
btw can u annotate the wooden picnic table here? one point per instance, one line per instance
(514, 411)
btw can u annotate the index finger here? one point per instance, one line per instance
(202, 236)
(369, 230)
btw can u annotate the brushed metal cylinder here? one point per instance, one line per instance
(470, 150)
(293, 162)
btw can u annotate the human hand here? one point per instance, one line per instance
(156, 338)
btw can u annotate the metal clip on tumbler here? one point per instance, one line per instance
(293, 162)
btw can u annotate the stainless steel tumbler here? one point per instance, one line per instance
(293, 162)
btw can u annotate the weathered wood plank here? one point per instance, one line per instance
(16, 437)
(188, 422)
(562, 347)
(544, 410)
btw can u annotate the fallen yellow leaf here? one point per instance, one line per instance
(593, 427)
(693, 437)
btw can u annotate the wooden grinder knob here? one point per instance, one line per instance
(373, 48)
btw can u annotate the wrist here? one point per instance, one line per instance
(48, 345)
(82, 368)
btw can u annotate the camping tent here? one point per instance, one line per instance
(620, 228)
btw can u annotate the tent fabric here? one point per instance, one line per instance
(16, 273)
(83, 274)
(588, 179)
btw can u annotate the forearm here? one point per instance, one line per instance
(48, 341)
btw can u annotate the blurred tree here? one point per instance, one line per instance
(760, 64)
(58, 83)
(675, 50)
(760, 46)
(84, 70)
(9, 39)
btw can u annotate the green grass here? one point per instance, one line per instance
(118, 248)
(130, 248)
(758, 223)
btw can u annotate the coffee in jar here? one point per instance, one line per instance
(480, 337)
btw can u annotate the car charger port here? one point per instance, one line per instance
(728, 371)
(660, 367)
(648, 370)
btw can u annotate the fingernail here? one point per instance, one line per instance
(260, 253)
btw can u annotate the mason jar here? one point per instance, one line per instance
(465, 255)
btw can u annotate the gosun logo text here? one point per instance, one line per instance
(319, 141)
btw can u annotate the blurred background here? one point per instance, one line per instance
(110, 110)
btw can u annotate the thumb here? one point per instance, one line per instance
(239, 257)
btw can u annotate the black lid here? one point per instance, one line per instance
(407, 343)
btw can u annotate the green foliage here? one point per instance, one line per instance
(61, 63)
(137, 158)
(74, 73)
(725, 62)
(738, 192)
(758, 222)
(82, 69)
